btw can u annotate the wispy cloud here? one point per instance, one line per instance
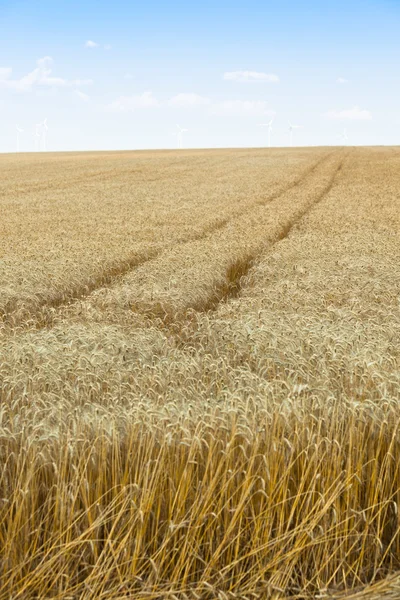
(91, 44)
(80, 82)
(350, 114)
(251, 77)
(132, 103)
(5, 73)
(242, 108)
(342, 80)
(189, 100)
(82, 96)
(41, 76)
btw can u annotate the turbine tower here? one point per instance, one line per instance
(343, 136)
(269, 125)
(44, 133)
(19, 131)
(291, 127)
(179, 135)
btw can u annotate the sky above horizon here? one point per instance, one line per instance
(122, 75)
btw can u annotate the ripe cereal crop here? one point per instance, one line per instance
(200, 375)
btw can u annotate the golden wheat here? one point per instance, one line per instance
(200, 375)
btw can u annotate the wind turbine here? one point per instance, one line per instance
(19, 131)
(44, 133)
(291, 127)
(269, 125)
(179, 135)
(343, 136)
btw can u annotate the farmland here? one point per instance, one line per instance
(200, 374)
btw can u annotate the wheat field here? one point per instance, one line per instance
(200, 375)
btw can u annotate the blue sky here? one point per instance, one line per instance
(121, 75)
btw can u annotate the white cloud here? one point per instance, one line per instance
(80, 82)
(188, 100)
(242, 108)
(5, 73)
(132, 103)
(342, 80)
(39, 77)
(229, 108)
(82, 96)
(251, 76)
(351, 114)
(91, 44)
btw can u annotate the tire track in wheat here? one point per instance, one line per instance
(111, 277)
(112, 274)
(201, 283)
(240, 268)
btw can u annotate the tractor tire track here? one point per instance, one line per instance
(236, 270)
(37, 313)
(240, 268)
(196, 295)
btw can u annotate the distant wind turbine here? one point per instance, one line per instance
(343, 136)
(291, 127)
(44, 129)
(269, 125)
(179, 135)
(19, 131)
